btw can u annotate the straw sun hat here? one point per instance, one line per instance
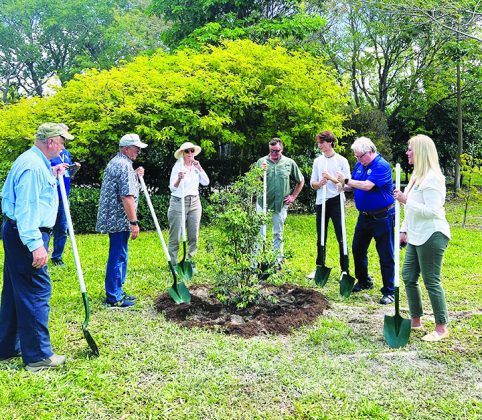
(185, 146)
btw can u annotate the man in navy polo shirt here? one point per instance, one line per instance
(372, 184)
(60, 228)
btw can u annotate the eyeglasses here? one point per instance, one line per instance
(361, 156)
(275, 150)
(189, 151)
(137, 149)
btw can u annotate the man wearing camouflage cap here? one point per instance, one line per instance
(29, 207)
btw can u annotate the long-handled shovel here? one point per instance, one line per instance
(184, 267)
(80, 275)
(346, 281)
(396, 329)
(178, 291)
(322, 271)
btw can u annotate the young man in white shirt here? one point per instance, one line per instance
(325, 168)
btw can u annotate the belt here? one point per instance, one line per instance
(376, 212)
(42, 229)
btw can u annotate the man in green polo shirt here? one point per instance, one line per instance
(279, 194)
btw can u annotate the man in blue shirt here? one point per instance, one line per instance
(60, 228)
(372, 184)
(29, 206)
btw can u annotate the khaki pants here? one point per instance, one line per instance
(193, 220)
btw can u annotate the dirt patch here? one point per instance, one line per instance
(295, 306)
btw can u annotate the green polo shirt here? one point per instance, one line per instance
(278, 180)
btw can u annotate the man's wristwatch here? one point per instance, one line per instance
(347, 180)
(134, 223)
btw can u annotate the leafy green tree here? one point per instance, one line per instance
(40, 39)
(229, 99)
(187, 16)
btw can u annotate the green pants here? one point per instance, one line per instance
(426, 259)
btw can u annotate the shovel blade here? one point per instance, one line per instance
(184, 293)
(396, 330)
(184, 270)
(174, 295)
(90, 341)
(321, 275)
(85, 326)
(346, 284)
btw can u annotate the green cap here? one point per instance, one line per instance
(49, 130)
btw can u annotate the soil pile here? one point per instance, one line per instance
(295, 306)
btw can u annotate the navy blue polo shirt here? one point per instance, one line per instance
(381, 195)
(64, 157)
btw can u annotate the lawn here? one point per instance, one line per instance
(339, 367)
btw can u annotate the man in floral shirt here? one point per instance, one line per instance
(117, 216)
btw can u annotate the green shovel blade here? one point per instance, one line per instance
(174, 294)
(322, 274)
(396, 330)
(346, 284)
(85, 326)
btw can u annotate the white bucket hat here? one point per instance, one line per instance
(186, 146)
(131, 140)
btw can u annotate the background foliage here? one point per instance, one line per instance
(230, 99)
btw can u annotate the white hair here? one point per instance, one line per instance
(363, 145)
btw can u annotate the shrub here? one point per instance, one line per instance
(242, 267)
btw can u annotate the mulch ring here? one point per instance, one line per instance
(296, 306)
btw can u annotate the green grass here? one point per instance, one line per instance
(339, 367)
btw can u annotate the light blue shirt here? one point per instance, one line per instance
(29, 196)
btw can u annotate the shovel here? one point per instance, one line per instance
(184, 267)
(178, 291)
(346, 281)
(396, 329)
(322, 271)
(80, 275)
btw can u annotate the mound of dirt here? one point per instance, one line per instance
(295, 306)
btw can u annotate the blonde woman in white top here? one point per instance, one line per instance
(186, 176)
(427, 233)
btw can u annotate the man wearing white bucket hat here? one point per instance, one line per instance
(186, 176)
(117, 216)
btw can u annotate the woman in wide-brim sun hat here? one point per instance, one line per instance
(186, 176)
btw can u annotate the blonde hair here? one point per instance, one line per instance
(425, 158)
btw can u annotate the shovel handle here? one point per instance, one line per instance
(265, 198)
(343, 223)
(65, 203)
(396, 238)
(183, 204)
(154, 218)
(323, 209)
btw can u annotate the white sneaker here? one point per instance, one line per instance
(311, 276)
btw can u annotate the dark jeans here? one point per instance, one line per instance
(24, 311)
(60, 233)
(116, 271)
(332, 212)
(380, 228)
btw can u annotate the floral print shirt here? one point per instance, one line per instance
(120, 180)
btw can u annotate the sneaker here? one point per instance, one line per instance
(121, 304)
(386, 299)
(9, 358)
(51, 362)
(58, 263)
(311, 276)
(362, 286)
(125, 296)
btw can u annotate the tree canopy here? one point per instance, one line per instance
(237, 95)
